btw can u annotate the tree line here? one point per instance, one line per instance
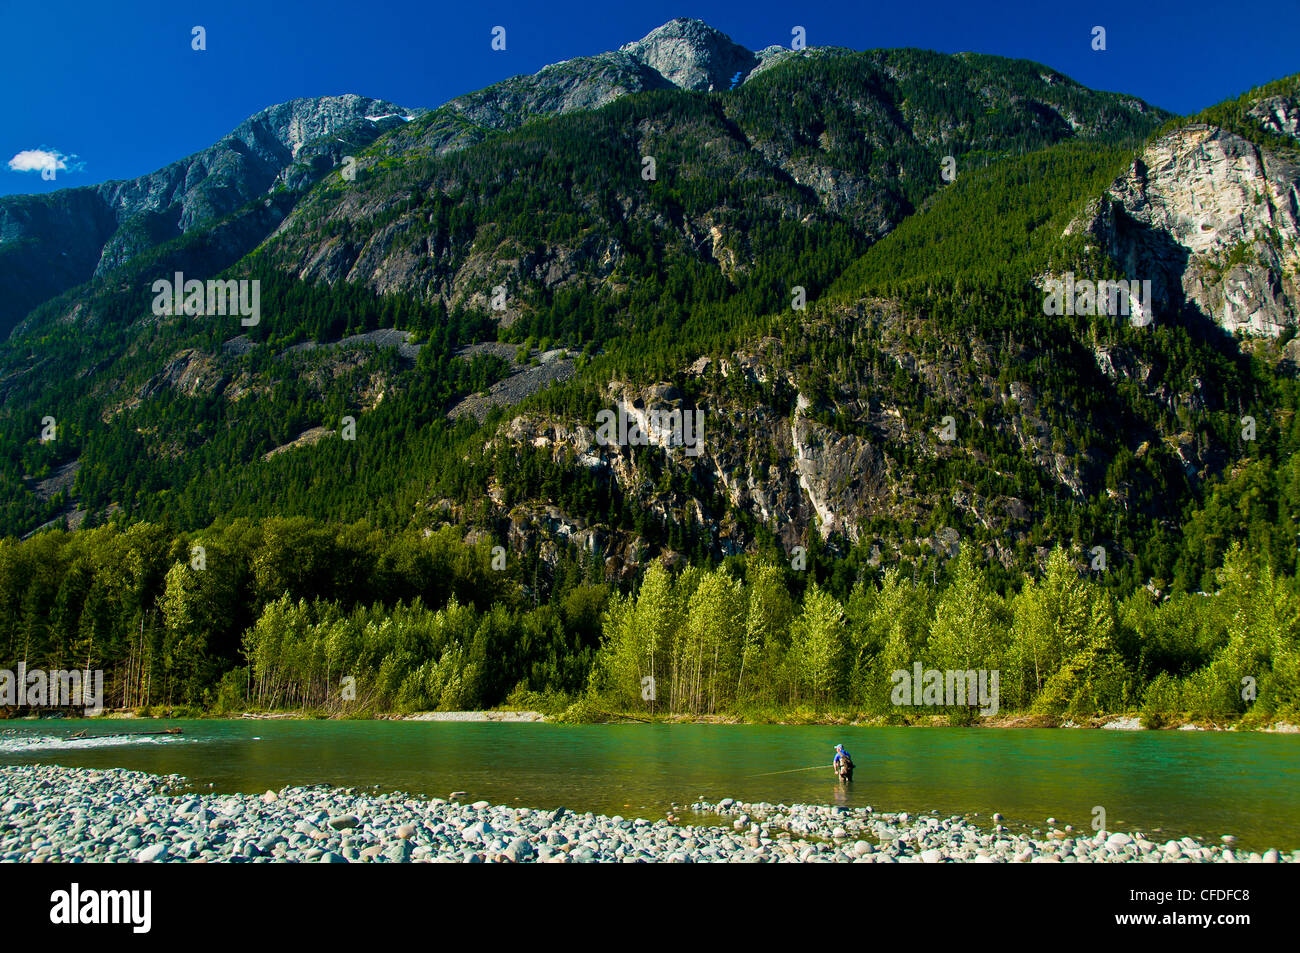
(298, 615)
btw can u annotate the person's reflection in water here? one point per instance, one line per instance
(841, 795)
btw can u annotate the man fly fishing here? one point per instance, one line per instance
(843, 764)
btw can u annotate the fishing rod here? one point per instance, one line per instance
(815, 767)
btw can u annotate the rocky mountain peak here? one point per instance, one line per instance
(299, 121)
(692, 55)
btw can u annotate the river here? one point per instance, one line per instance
(1164, 783)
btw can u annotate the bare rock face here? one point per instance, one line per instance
(1278, 114)
(692, 55)
(842, 475)
(1213, 221)
(185, 373)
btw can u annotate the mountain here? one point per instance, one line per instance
(503, 267)
(52, 242)
(683, 54)
(851, 138)
(783, 314)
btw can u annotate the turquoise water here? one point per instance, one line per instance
(1165, 784)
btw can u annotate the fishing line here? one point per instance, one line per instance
(815, 767)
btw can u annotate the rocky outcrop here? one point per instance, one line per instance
(305, 439)
(682, 54)
(245, 163)
(841, 475)
(553, 367)
(184, 373)
(1213, 221)
(859, 457)
(1278, 114)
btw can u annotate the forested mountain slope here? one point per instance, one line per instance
(780, 182)
(838, 265)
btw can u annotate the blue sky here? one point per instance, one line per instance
(118, 87)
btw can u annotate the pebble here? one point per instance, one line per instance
(152, 853)
(55, 813)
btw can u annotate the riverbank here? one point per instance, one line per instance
(510, 716)
(582, 713)
(50, 813)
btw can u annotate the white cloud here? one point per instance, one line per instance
(41, 160)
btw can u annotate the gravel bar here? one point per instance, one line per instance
(51, 814)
